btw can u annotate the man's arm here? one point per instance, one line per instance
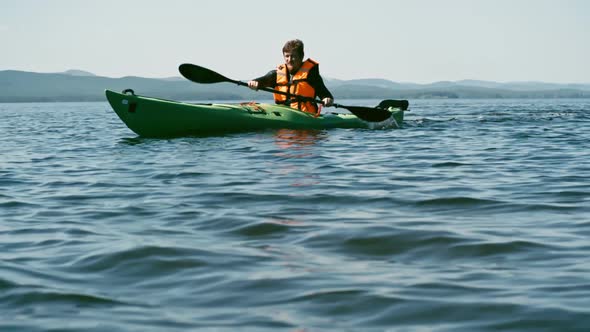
(267, 81)
(318, 83)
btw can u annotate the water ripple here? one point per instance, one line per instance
(473, 217)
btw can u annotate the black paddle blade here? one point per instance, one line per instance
(368, 114)
(200, 74)
(387, 103)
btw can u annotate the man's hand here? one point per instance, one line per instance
(253, 85)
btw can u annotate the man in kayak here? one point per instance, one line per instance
(297, 78)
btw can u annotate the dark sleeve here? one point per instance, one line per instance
(318, 83)
(269, 80)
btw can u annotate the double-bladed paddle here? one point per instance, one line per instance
(203, 75)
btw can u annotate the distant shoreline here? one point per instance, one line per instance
(80, 86)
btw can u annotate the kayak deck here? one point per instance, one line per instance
(154, 117)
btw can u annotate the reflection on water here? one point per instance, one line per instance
(299, 145)
(290, 140)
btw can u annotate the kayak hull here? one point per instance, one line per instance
(154, 117)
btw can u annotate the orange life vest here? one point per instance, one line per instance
(299, 85)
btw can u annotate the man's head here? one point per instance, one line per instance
(293, 54)
(295, 47)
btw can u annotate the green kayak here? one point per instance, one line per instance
(153, 117)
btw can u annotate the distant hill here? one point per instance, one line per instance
(19, 86)
(79, 85)
(76, 72)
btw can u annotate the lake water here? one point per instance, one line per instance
(473, 217)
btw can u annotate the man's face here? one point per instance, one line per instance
(293, 61)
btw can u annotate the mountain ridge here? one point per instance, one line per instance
(79, 85)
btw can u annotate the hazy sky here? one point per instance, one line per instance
(410, 41)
